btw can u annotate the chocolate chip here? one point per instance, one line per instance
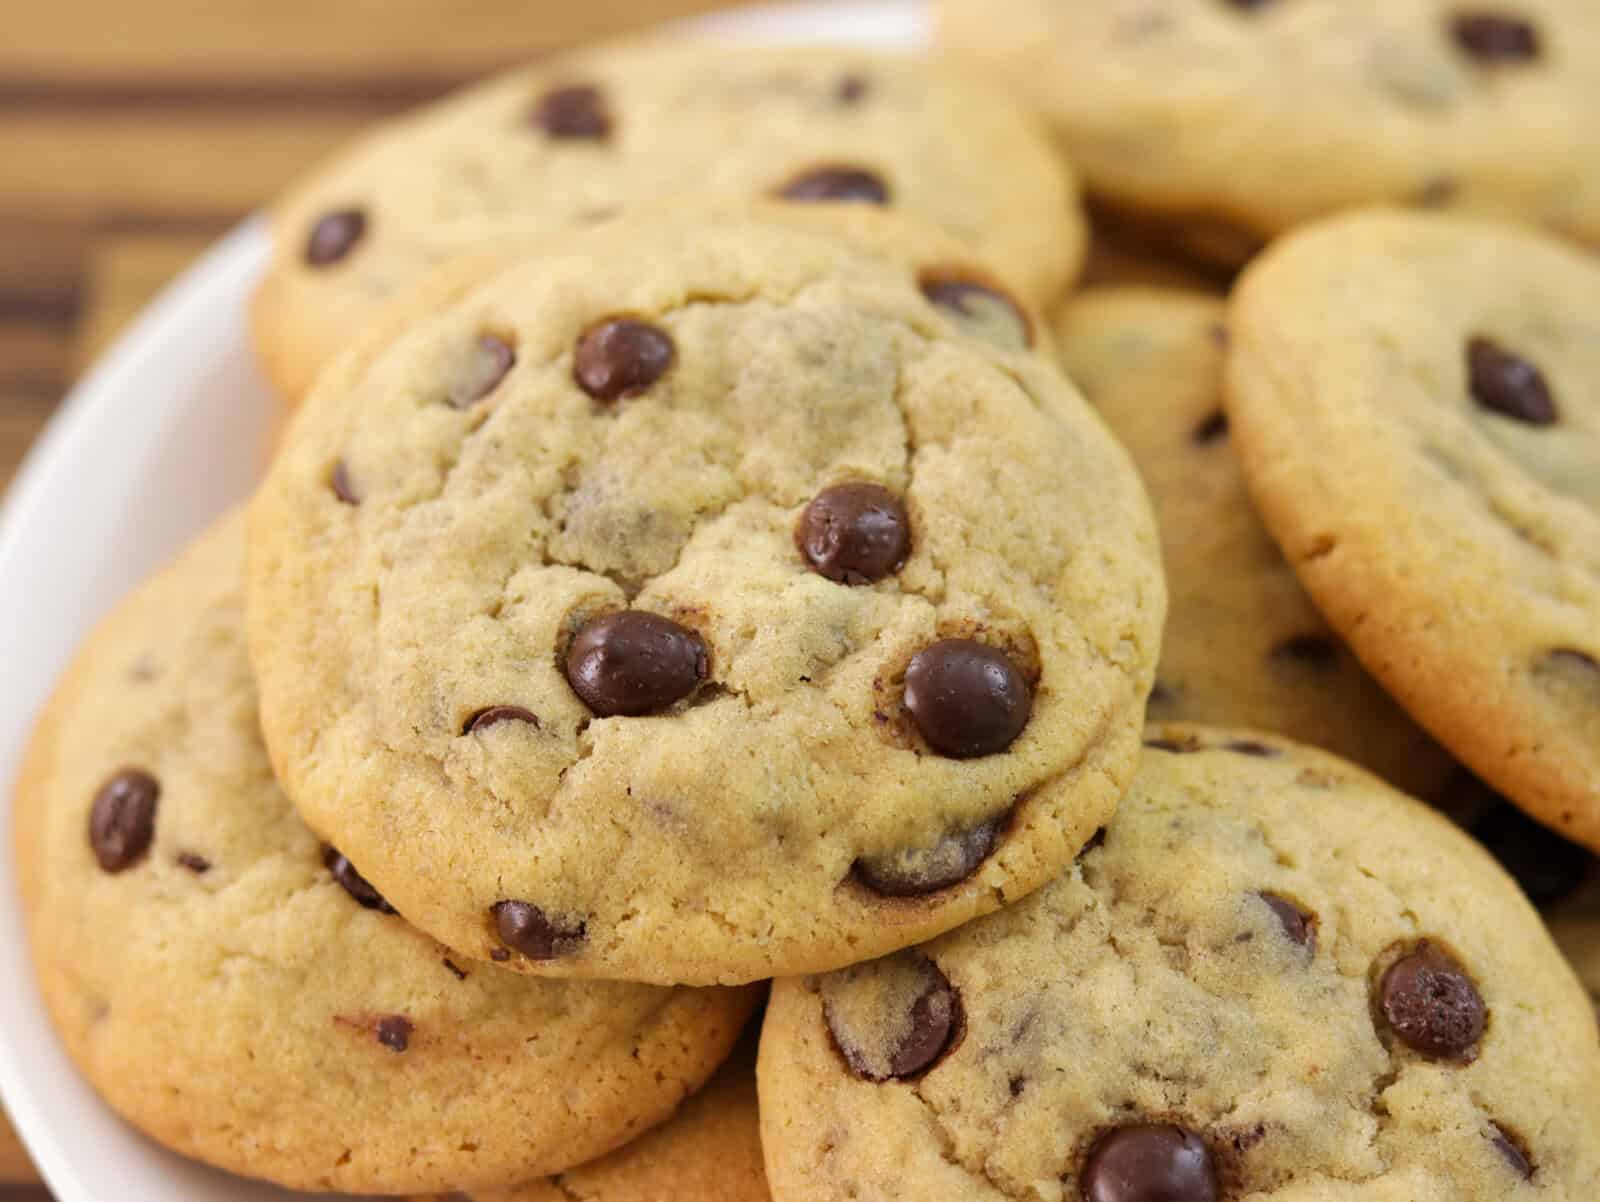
(1514, 1151)
(1173, 746)
(854, 533)
(491, 358)
(1546, 866)
(621, 358)
(1212, 429)
(1495, 37)
(122, 820)
(1262, 751)
(527, 929)
(486, 718)
(1508, 384)
(948, 862)
(334, 236)
(1314, 650)
(929, 1029)
(196, 864)
(1299, 925)
(851, 90)
(837, 185)
(634, 662)
(1096, 840)
(356, 885)
(1431, 1004)
(573, 113)
(394, 1032)
(970, 300)
(1149, 1162)
(339, 481)
(967, 699)
(456, 970)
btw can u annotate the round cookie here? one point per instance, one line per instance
(558, 144)
(756, 619)
(237, 990)
(1416, 404)
(1233, 120)
(1244, 646)
(1275, 979)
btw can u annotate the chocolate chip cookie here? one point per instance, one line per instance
(1244, 646)
(238, 990)
(1273, 978)
(699, 599)
(1229, 121)
(576, 138)
(1416, 404)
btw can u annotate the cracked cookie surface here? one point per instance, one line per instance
(1233, 120)
(588, 134)
(1243, 644)
(761, 723)
(1274, 978)
(1416, 405)
(238, 991)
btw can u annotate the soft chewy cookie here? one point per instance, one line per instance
(1233, 120)
(1273, 979)
(1244, 646)
(236, 989)
(1416, 403)
(559, 144)
(696, 600)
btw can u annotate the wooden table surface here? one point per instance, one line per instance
(133, 134)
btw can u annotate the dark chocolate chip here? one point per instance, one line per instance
(196, 864)
(931, 1029)
(356, 885)
(967, 699)
(837, 185)
(634, 662)
(1316, 650)
(1432, 1005)
(851, 90)
(1508, 384)
(1546, 866)
(854, 533)
(394, 1032)
(456, 970)
(1212, 429)
(949, 862)
(486, 718)
(1262, 751)
(1149, 1162)
(1173, 746)
(334, 236)
(1251, 5)
(491, 358)
(525, 928)
(122, 820)
(1514, 1151)
(341, 485)
(1299, 925)
(576, 112)
(1495, 37)
(966, 298)
(621, 357)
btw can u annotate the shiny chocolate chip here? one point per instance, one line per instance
(334, 236)
(1431, 1004)
(951, 860)
(967, 699)
(122, 819)
(855, 533)
(1300, 926)
(496, 714)
(971, 302)
(480, 374)
(620, 358)
(635, 662)
(394, 1032)
(576, 112)
(1506, 383)
(353, 883)
(1495, 37)
(194, 862)
(928, 1029)
(1149, 1162)
(341, 484)
(525, 928)
(837, 185)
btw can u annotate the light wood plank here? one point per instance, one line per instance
(125, 274)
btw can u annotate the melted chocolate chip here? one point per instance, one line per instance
(353, 883)
(1212, 429)
(339, 481)
(967, 699)
(491, 358)
(621, 358)
(1546, 866)
(1315, 650)
(334, 236)
(931, 1029)
(837, 185)
(967, 299)
(1514, 1151)
(196, 864)
(1506, 383)
(1431, 1004)
(486, 718)
(122, 820)
(949, 862)
(634, 662)
(576, 112)
(1149, 1162)
(525, 928)
(394, 1032)
(851, 90)
(1495, 37)
(854, 533)
(1299, 925)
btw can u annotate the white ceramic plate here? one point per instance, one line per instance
(162, 435)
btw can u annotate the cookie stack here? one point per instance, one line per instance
(688, 566)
